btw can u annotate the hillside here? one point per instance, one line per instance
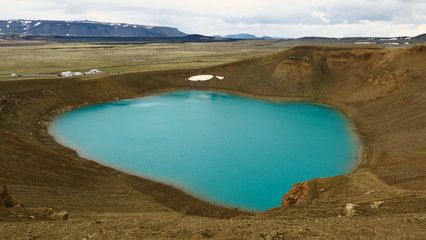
(84, 28)
(382, 91)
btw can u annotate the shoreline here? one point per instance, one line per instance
(351, 166)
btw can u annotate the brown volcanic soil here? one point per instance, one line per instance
(382, 91)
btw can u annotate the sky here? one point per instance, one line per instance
(275, 18)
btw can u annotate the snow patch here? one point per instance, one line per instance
(220, 77)
(200, 78)
(365, 42)
(7, 26)
(9, 22)
(38, 23)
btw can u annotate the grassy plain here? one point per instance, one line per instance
(52, 58)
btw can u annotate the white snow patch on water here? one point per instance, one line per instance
(201, 78)
(143, 105)
(204, 96)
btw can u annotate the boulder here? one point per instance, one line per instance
(350, 209)
(376, 204)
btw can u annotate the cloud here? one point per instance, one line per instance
(284, 18)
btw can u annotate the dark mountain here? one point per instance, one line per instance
(241, 36)
(421, 37)
(84, 28)
(117, 40)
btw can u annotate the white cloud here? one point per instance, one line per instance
(283, 18)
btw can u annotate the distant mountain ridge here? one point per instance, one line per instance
(244, 36)
(84, 28)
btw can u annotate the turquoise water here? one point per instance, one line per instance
(229, 150)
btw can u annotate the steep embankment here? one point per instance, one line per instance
(382, 91)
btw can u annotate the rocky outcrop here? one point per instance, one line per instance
(6, 200)
(417, 49)
(298, 195)
(19, 210)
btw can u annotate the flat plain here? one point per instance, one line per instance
(32, 58)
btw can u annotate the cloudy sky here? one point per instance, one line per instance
(277, 18)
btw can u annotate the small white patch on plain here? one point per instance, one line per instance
(144, 105)
(392, 43)
(9, 22)
(38, 23)
(220, 77)
(200, 78)
(365, 42)
(135, 26)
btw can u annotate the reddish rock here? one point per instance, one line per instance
(298, 195)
